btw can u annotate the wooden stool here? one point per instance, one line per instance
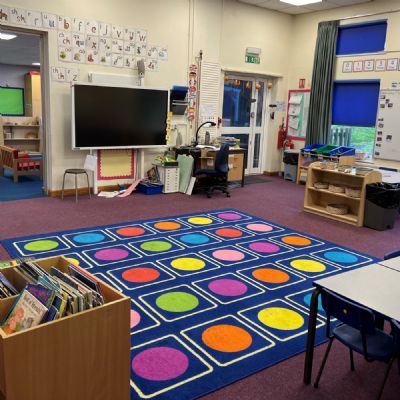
(76, 172)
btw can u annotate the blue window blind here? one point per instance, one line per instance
(355, 103)
(368, 37)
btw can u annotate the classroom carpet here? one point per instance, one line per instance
(28, 187)
(216, 296)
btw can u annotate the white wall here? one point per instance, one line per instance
(305, 34)
(14, 75)
(221, 28)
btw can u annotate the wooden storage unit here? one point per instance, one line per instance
(33, 94)
(306, 159)
(23, 133)
(81, 356)
(235, 162)
(315, 200)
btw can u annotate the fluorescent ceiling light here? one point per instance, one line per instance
(300, 2)
(7, 36)
(36, 63)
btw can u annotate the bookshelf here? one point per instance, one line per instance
(23, 133)
(80, 356)
(316, 200)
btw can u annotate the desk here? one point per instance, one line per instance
(195, 152)
(373, 286)
(392, 263)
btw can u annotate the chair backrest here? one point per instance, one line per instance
(396, 335)
(352, 314)
(7, 155)
(221, 159)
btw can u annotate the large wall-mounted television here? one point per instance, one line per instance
(111, 117)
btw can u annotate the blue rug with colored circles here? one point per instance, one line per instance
(216, 296)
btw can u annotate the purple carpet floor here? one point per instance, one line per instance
(277, 201)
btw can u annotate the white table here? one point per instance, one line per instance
(393, 263)
(375, 286)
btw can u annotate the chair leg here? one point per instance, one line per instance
(76, 188)
(321, 369)
(351, 360)
(88, 185)
(62, 190)
(385, 377)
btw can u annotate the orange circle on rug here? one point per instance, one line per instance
(227, 338)
(229, 232)
(140, 275)
(270, 275)
(167, 225)
(296, 240)
(130, 231)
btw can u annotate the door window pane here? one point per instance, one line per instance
(256, 152)
(237, 103)
(260, 86)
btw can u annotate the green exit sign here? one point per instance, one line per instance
(252, 59)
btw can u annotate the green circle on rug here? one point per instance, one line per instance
(177, 301)
(156, 245)
(41, 245)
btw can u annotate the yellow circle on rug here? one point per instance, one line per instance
(188, 264)
(281, 318)
(167, 225)
(296, 240)
(308, 265)
(73, 261)
(200, 220)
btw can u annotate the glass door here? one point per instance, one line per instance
(243, 117)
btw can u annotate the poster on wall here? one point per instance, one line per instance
(297, 113)
(91, 41)
(387, 139)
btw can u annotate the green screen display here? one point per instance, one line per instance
(11, 101)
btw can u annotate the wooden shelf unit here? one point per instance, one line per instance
(306, 159)
(315, 200)
(81, 356)
(15, 129)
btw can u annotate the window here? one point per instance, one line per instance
(354, 109)
(366, 37)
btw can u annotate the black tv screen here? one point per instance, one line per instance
(110, 117)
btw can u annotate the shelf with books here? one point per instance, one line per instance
(85, 351)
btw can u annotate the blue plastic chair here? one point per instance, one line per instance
(357, 331)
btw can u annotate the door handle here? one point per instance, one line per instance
(252, 114)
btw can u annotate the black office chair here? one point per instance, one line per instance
(217, 178)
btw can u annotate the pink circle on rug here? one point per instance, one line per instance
(230, 216)
(135, 318)
(259, 227)
(160, 363)
(264, 247)
(228, 287)
(111, 254)
(228, 255)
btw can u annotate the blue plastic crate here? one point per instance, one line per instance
(343, 151)
(311, 147)
(149, 189)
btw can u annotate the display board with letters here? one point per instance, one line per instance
(387, 139)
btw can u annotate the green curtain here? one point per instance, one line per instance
(320, 112)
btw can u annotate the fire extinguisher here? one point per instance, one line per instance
(281, 136)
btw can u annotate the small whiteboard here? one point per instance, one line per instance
(387, 138)
(297, 114)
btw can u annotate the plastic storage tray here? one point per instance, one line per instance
(149, 189)
(343, 151)
(311, 148)
(325, 150)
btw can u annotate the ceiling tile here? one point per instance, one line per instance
(273, 4)
(295, 10)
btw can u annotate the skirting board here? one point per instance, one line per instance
(81, 190)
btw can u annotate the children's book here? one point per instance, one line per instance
(27, 312)
(45, 295)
